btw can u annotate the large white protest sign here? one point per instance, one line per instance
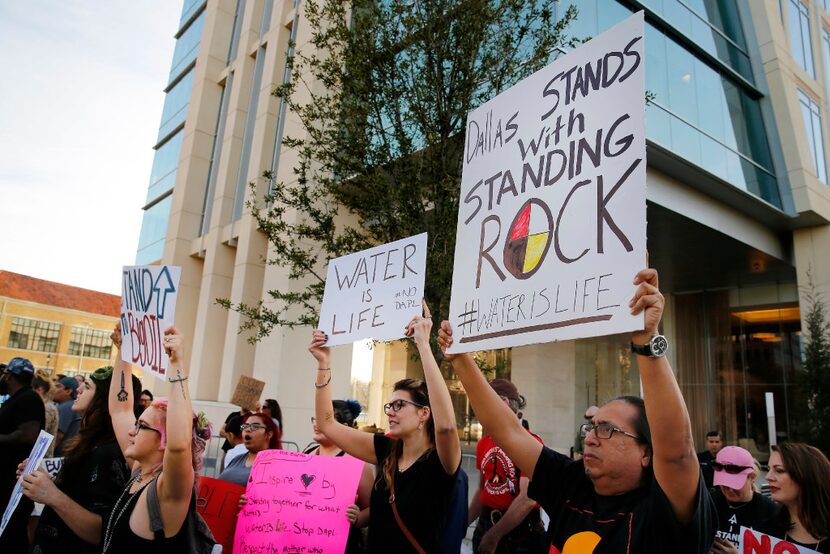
(148, 302)
(552, 215)
(753, 542)
(36, 456)
(374, 293)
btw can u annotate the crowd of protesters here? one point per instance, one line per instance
(633, 482)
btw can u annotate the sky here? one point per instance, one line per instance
(81, 94)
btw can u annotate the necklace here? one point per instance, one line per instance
(113, 523)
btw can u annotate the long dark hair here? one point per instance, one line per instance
(276, 412)
(418, 390)
(96, 425)
(275, 443)
(809, 468)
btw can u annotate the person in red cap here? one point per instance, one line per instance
(737, 503)
(508, 521)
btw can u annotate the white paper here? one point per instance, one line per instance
(753, 542)
(374, 293)
(552, 216)
(148, 303)
(36, 456)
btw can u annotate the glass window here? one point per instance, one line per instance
(175, 105)
(825, 56)
(811, 113)
(189, 8)
(32, 334)
(165, 163)
(153, 231)
(187, 46)
(800, 43)
(94, 342)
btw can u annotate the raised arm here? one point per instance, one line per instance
(443, 415)
(356, 443)
(121, 396)
(176, 482)
(674, 459)
(494, 415)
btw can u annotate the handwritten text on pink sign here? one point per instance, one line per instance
(297, 503)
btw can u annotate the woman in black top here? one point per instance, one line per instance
(345, 412)
(165, 447)
(420, 460)
(92, 476)
(799, 479)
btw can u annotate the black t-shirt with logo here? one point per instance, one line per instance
(642, 520)
(423, 495)
(750, 514)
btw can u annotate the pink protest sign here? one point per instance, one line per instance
(297, 503)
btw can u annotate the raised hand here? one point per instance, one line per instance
(318, 348)
(174, 345)
(445, 339)
(647, 298)
(116, 336)
(420, 326)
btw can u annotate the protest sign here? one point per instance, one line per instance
(247, 392)
(148, 303)
(374, 293)
(37, 454)
(218, 502)
(753, 542)
(297, 503)
(552, 215)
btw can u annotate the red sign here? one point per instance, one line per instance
(218, 503)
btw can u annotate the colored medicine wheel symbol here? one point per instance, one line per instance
(529, 239)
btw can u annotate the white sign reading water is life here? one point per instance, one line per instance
(148, 302)
(552, 216)
(374, 293)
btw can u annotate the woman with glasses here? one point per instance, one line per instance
(345, 413)
(259, 432)
(799, 479)
(419, 459)
(165, 446)
(92, 476)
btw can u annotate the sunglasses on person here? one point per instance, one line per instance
(603, 431)
(139, 425)
(731, 469)
(252, 426)
(396, 405)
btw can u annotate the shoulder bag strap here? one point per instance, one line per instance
(154, 510)
(401, 525)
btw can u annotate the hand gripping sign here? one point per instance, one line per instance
(297, 503)
(552, 213)
(374, 293)
(148, 303)
(36, 456)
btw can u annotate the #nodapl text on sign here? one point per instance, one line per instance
(552, 214)
(148, 302)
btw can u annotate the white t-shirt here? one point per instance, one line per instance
(235, 452)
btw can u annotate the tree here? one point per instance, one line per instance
(382, 95)
(816, 376)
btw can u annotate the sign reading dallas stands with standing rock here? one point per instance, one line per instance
(374, 293)
(148, 302)
(552, 215)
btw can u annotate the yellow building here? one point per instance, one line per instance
(60, 328)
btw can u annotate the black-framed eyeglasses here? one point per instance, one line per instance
(604, 431)
(252, 426)
(139, 425)
(396, 405)
(732, 469)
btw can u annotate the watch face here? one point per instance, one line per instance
(659, 345)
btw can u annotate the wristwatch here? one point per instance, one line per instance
(656, 347)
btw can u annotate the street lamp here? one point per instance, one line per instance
(83, 344)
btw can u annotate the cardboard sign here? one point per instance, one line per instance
(36, 456)
(247, 392)
(218, 502)
(374, 293)
(148, 303)
(552, 214)
(297, 503)
(753, 542)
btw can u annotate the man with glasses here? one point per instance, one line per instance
(638, 486)
(22, 417)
